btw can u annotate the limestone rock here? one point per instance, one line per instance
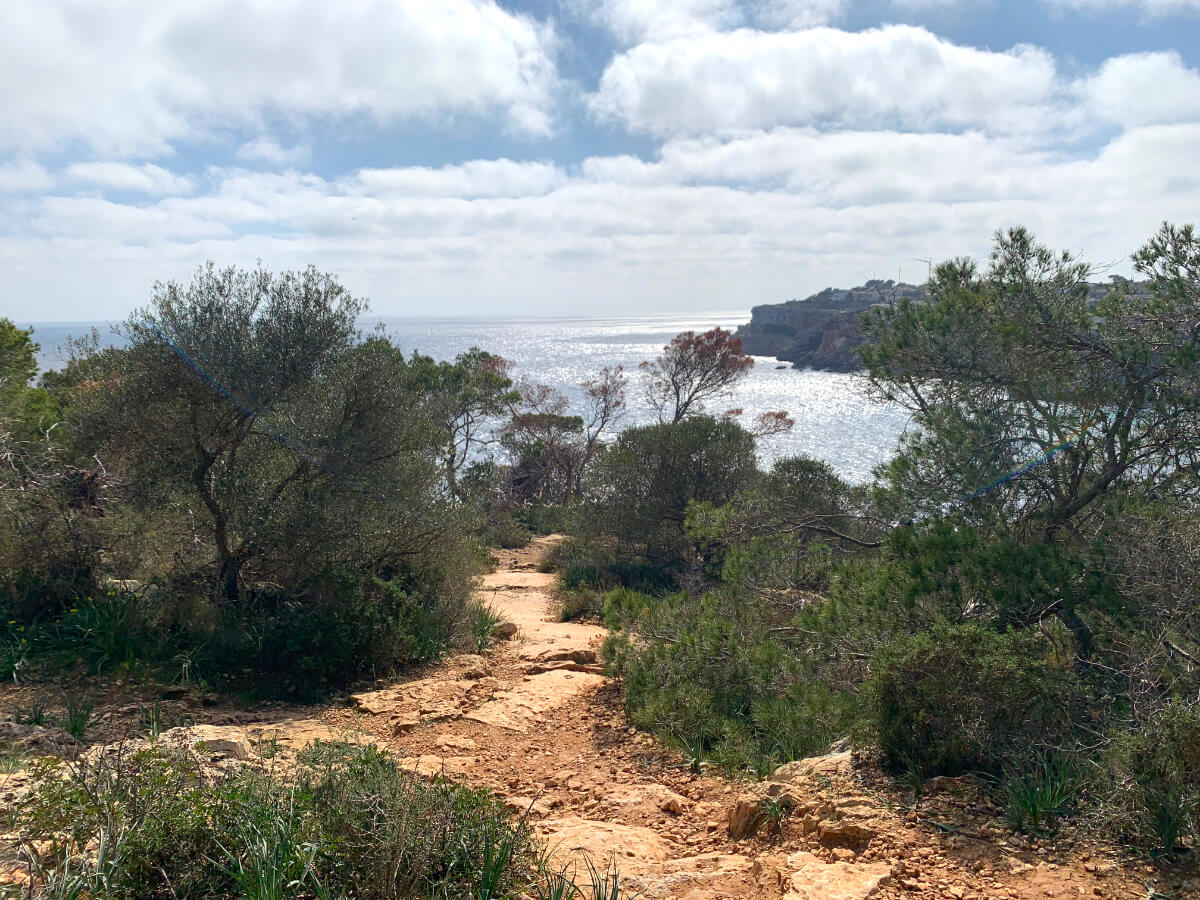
(832, 764)
(844, 833)
(33, 738)
(601, 841)
(455, 742)
(745, 818)
(814, 879)
(209, 740)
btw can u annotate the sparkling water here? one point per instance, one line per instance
(834, 419)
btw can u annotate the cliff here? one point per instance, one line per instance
(821, 331)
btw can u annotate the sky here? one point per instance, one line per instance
(579, 157)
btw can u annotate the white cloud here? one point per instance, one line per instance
(268, 150)
(1142, 89)
(477, 178)
(635, 21)
(798, 13)
(133, 76)
(892, 75)
(24, 176)
(144, 179)
(754, 217)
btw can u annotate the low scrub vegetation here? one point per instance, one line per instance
(346, 823)
(253, 493)
(1015, 596)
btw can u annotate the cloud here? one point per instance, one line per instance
(894, 75)
(732, 220)
(1143, 89)
(268, 150)
(144, 179)
(24, 176)
(797, 13)
(637, 21)
(131, 77)
(477, 178)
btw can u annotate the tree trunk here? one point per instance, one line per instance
(231, 567)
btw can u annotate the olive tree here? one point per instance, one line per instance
(294, 445)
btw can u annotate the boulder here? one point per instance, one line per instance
(814, 879)
(841, 763)
(213, 741)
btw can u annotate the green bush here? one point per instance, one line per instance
(965, 698)
(1153, 779)
(708, 674)
(599, 565)
(339, 628)
(390, 834)
(638, 491)
(505, 531)
(349, 824)
(583, 603)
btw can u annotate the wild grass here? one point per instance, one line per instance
(1038, 794)
(347, 823)
(483, 620)
(78, 716)
(36, 714)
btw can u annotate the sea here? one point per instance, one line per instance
(835, 420)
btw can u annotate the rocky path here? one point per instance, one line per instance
(538, 722)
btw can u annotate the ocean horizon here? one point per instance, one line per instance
(835, 420)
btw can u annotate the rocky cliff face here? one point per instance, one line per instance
(821, 331)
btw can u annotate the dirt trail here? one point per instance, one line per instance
(539, 723)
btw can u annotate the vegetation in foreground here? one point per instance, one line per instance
(346, 823)
(1016, 596)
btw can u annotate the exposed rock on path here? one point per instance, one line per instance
(539, 723)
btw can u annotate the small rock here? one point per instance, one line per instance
(210, 740)
(672, 805)
(404, 724)
(455, 742)
(833, 764)
(745, 818)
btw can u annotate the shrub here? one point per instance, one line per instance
(391, 834)
(708, 674)
(639, 489)
(503, 530)
(350, 824)
(1153, 779)
(584, 603)
(963, 698)
(338, 628)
